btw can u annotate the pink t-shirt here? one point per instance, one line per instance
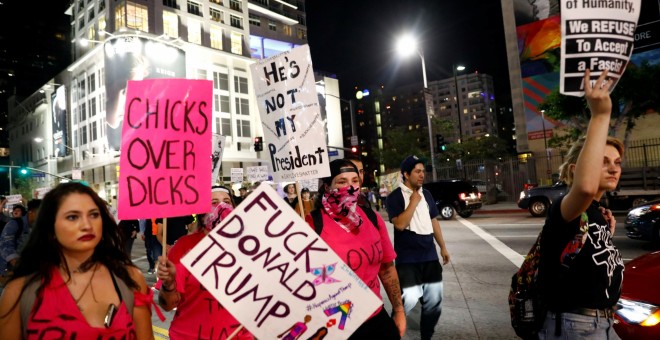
(58, 317)
(199, 315)
(363, 250)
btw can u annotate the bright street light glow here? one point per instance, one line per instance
(38, 139)
(84, 42)
(406, 45)
(460, 68)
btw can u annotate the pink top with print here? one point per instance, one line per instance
(58, 317)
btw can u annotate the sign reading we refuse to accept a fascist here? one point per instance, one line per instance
(596, 36)
(276, 276)
(165, 148)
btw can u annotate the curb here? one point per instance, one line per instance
(502, 211)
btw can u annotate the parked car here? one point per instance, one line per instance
(638, 310)
(455, 196)
(539, 199)
(482, 186)
(643, 222)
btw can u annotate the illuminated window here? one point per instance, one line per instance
(194, 32)
(302, 34)
(287, 30)
(131, 15)
(236, 43)
(170, 24)
(216, 37)
(101, 23)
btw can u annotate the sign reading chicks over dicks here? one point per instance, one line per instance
(276, 276)
(294, 134)
(165, 146)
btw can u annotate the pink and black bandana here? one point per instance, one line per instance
(218, 213)
(341, 205)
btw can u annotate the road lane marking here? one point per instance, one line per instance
(498, 245)
(160, 331)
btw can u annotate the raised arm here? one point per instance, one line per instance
(586, 171)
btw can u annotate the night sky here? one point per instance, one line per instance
(355, 40)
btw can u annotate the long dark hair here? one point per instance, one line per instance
(42, 252)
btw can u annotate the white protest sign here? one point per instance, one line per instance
(291, 116)
(14, 199)
(236, 175)
(257, 173)
(270, 269)
(311, 184)
(216, 156)
(595, 36)
(39, 193)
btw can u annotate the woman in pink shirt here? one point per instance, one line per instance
(349, 232)
(198, 314)
(74, 259)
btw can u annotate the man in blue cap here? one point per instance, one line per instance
(413, 212)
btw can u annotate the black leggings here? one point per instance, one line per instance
(380, 326)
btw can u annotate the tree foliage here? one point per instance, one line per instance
(637, 93)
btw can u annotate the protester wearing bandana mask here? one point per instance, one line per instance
(348, 230)
(195, 318)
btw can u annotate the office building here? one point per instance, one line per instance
(71, 126)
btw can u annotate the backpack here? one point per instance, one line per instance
(26, 303)
(525, 303)
(318, 218)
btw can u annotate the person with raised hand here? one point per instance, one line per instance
(580, 270)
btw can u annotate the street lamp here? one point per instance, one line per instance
(405, 46)
(458, 101)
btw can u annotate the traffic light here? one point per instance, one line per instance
(354, 149)
(23, 171)
(443, 147)
(439, 140)
(258, 144)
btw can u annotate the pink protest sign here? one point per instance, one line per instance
(165, 148)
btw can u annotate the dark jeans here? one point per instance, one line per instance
(154, 249)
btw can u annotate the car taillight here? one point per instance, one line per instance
(655, 207)
(462, 196)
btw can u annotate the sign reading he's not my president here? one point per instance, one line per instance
(291, 116)
(277, 277)
(597, 35)
(165, 148)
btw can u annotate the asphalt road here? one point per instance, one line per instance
(486, 250)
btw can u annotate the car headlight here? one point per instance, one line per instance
(638, 313)
(523, 194)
